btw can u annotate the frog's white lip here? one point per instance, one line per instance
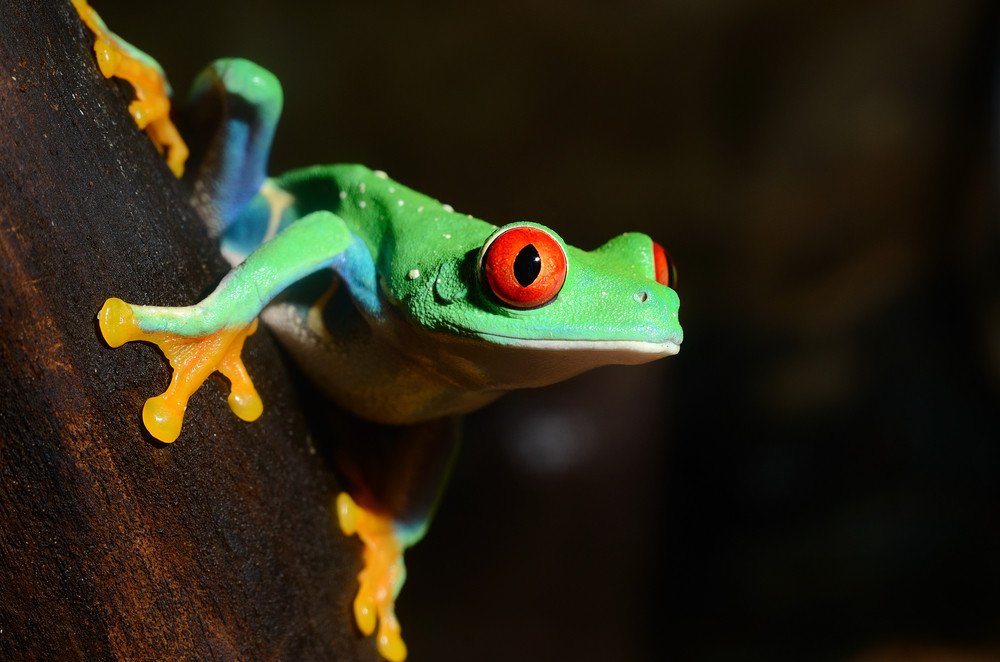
(646, 348)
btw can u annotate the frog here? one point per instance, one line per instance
(150, 109)
(404, 312)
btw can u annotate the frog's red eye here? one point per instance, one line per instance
(666, 269)
(524, 266)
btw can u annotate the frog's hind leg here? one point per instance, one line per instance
(396, 475)
(230, 117)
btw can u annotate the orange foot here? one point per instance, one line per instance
(381, 578)
(151, 107)
(193, 360)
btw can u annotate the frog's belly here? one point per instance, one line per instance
(367, 373)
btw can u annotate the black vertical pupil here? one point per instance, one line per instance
(527, 265)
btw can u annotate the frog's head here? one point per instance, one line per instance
(517, 307)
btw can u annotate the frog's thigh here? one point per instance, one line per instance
(399, 471)
(396, 475)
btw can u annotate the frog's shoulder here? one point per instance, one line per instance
(349, 180)
(337, 175)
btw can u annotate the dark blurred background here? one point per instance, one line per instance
(815, 475)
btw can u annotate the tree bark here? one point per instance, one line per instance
(113, 546)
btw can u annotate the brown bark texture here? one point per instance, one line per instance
(220, 546)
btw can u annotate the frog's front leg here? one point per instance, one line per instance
(397, 475)
(193, 359)
(209, 336)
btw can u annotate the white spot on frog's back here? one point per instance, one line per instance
(447, 207)
(413, 274)
(381, 174)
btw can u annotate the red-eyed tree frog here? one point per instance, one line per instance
(403, 311)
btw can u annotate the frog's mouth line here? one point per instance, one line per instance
(639, 347)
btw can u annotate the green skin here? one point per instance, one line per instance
(381, 297)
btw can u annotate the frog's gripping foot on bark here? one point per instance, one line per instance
(151, 107)
(381, 578)
(193, 358)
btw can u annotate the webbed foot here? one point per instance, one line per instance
(151, 107)
(381, 578)
(193, 359)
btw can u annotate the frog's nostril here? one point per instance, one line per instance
(642, 296)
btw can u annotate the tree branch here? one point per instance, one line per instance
(112, 545)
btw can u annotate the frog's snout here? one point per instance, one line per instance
(660, 308)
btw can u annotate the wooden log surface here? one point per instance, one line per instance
(220, 546)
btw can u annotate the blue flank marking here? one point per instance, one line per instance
(243, 169)
(247, 231)
(357, 269)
